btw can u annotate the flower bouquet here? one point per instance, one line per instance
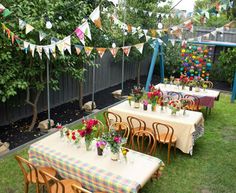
(153, 96)
(101, 144)
(183, 80)
(137, 94)
(198, 81)
(88, 130)
(174, 105)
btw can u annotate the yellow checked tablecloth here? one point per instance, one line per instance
(96, 173)
(186, 127)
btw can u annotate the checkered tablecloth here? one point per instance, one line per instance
(95, 173)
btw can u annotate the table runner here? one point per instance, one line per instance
(184, 125)
(95, 173)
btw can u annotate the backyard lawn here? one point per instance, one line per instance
(211, 169)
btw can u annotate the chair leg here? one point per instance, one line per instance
(26, 187)
(168, 156)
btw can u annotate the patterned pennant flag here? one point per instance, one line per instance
(22, 24)
(78, 49)
(126, 50)
(46, 51)
(101, 51)
(172, 42)
(153, 33)
(42, 35)
(39, 49)
(139, 47)
(67, 44)
(52, 49)
(32, 49)
(114, 51)
(61, 46)
(88, 50)
(95, 17)
(80, 35)
(28, 28)
(12, 37)
(86, 30)
(129, 28)
(26, 45)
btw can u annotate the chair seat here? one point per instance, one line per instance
(162, 138)
(32, 177)
(67, 184)
(142, 128)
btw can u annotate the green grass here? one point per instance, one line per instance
(211, 169)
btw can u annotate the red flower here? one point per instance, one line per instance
(82, 133)
(59, 126)
(73, 133)
(73, 137)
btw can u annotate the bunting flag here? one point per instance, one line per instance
(80, 35)
(52, 49)
(153, 32)
(6, 12)
(2, 8)
(39, 49)
(139, 47)
(67, 43)
(126, 50)
(12, 38)
(42, 35)
(95, 17)
(101, 51)
(32, 49)
(145, 32)
(78, 49)
(60, 46)
(188, 24)
(46, 51)
(28, 28)
(22, 24)
(114, 51)
(88, 50)
(26, 46)
(172, 42)
(214, 33)
(85, 29)
(115, 2)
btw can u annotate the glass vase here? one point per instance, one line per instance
(115, 156)
(88, 144)
(100, 151)
(145, 107)
(154, 107)
(136, 104)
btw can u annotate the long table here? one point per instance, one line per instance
(96, 173)
(207, 97)
(186, 127)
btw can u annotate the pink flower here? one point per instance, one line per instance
(117, 139)
(59, 126)
(149, 94)
(73, 137)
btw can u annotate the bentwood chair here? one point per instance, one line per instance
(79, 189)
(143, 141)
(111, 117)
(196, 100)
(208, 83)
(122, 128)
(165, 135)
(100, 129)
(31, 174)
(187, 104)
(175, 95)
(58, 186)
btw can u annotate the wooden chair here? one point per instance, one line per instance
(187, 103)
(31, 174)
(122, 128)
(165, 135)
(196, 100)
(78, 189)
(59, 186)
(111, 117)
(208, 83)
(143, 141)
(100, 129)
(175, 95)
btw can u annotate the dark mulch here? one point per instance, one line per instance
(17, 134)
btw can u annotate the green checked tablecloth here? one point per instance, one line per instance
(96, 173)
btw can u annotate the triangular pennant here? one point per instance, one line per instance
(145, 32)
(95, 17)
(101, 51)
(12, 38)
(148, 38)
(134, 30)
(67, 43)
(80, 35)
(86, 29)
(39, 49)
(172, 42)
(153, 32)
(150, 13)
(26, 45)
(32, 49)
(46, 51)
(144, 12)
(136, 10)
(199, 39)
(139, 47)
(114, 51)
(140, 35)
(2, 7)
(28, 28)
(42, 35)
(126, 50)
(78, 49)
(52, 49)
(88, 50)
(6, 12)
(214, 33)
(54, 40)
(22, 24)
(61, 46)
(115, 2)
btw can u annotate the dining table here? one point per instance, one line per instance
(188, 125)
(207, 96)
(94, 172)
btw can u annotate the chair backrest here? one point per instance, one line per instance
(196, 101)
(175, 95)
(135, 122)
(27, 169)
(161, 129)
(208, 83)
(122, 128)
(100, 129)
(111, 117)
(143, 141)
(78, 189)
(59, 187)
(187, 103)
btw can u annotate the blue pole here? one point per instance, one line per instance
(234, 89)
(152, 66)
(162, 64)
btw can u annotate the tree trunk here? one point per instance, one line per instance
(81, 93)
(34, 107)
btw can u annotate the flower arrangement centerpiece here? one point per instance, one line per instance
(137, 93)
(101, 144)
(145, 104)
(88, 130)
(174, 105)
(115, 141)
(124, 153)
(183, 80)
(153, 96)
(198, 81)
(129, 99)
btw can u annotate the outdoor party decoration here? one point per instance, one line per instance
(100, 144)
(153, 96)
(137, 93)
(196, 60)
(95, 17)
(174, 105)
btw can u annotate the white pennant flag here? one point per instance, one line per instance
(134, 30)
(115, 2)
(28, 28)
(150, 13)
(42, 35)
(145, 32)
(126, 50)
(159, 32)
(67, 43)
(148, 38)
(46, 51)
(139, 47)
(52, 49)
(114, 51)
(85, 29)
(40, 51)
(95, 17)
(144, 12)
(26, 45)
(136, 10)
(61, 46)
(32, 49)
(172, 42)
(214, 33)
(22, 24)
